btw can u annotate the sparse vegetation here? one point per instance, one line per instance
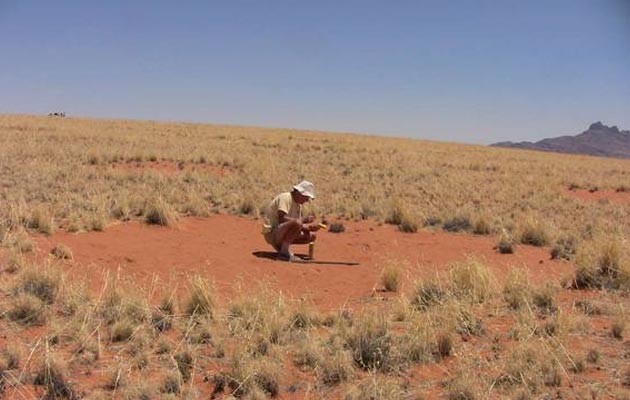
(602, 264)
(517, 291)
(617, 328)
(534, 232)
(27, 309)
(457, 224)
(53, 377)
(390, 278)
(512, 343)
(371, 343)
(61, 252)
(426, 294)
(336, 227)
(201, 300)
(565, 248)
(505, 244)
(159, 212)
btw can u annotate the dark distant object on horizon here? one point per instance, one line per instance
(599, 140)
(61, 114)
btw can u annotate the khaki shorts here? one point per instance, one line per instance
(268, 233)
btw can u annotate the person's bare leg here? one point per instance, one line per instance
(305, 238)
(286, 234)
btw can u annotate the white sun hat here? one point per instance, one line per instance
(306, 188)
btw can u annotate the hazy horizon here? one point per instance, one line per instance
(467, 71)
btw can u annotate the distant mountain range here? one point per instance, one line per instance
(598, 140)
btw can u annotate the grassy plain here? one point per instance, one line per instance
(482, 339)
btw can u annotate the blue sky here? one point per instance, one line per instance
(466, 71)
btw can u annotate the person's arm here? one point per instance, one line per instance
(284, 217)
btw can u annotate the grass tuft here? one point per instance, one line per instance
(185, 362)
(534, 233)
(41, 221)
(159, 212)
(377, 388)
(200, 302)
(517, 290)
(602, 264)
(52, 376)
(371, 343)
(427, 294)
(390, 278)
(42, 283)
(122, 330)
(61, 252)
(27, 310)
(444, 345)
(336, 368)
(544, 299)
(565, 248)
(336, 227)
(505, 244)
(617, 328)
(481, 226)
(471, 280)
(457, 223)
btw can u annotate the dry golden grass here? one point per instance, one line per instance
(370, 352)
(357, 176)
(515, 340)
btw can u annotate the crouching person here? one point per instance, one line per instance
(285, 225)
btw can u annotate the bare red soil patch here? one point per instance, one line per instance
(223, 249)
(170, 167)
(599, 195)
(230, 250)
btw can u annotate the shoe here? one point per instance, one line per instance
(288, 257)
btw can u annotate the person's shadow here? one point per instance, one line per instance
(272, 255)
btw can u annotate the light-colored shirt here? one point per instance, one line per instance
(283, 202)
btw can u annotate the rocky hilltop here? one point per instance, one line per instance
(597, 140)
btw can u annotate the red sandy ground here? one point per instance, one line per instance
(599, 195)
(220, 248)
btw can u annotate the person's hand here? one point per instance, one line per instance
(314, 228)
(308, 219)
